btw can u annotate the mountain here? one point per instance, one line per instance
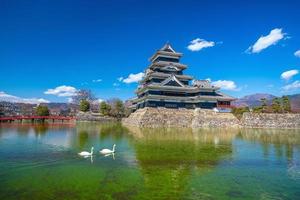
(255, 100)
(13, 108)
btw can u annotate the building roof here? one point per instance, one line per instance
(160, 64)
(161, 75)
(172, 78)
(167, 47)
(166, 51)
(204, 84)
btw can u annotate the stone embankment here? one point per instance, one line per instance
(209, 118)
(268, 120)
(163, 117)
(202, 118)
(88, 116)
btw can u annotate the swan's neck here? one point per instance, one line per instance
(113, 148)
(92, 151)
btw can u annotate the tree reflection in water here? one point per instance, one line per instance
(284, 142)
(167, 158)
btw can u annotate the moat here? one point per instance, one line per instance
(41, 162)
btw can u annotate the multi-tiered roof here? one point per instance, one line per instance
(165, 85)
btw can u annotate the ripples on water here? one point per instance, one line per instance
(41, 162)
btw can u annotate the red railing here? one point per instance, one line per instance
(10, 118)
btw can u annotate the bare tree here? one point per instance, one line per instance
(83, 94)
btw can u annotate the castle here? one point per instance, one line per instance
(165, 85)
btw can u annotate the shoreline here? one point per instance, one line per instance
(202, 118)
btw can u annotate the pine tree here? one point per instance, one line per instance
(276, 105)
(286, 104)
(84, 105)
(263, 104)
(42, 111)
(105, 108)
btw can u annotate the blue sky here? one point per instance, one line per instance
(242, 46)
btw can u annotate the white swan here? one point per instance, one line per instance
(86, 153)
(108, 151)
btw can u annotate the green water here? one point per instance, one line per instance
(41, 162)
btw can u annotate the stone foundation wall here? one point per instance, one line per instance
(163, 117)
(202, 118)
(268, 120)
(208, 118)
(88, 116)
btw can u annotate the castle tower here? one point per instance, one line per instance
(165, 85)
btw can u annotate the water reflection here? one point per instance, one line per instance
(168, 157)
(284, 142)
(148, 164)
(83, 137)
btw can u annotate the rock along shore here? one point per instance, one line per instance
(88, 116)
(203, 118)
(163, 117)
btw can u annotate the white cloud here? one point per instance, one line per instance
(62, 91)
(225, 85)
(15, 99)
(198, 44)
(133, 78)
(97, 80)
(208, 79)
(289, 74)
(297, 53)
(293, 86)
(120, 79)
(265, 41)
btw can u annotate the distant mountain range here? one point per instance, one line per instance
(255, 100)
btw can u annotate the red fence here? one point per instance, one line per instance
(12, 118)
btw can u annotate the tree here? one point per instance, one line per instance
(286, 104)
(105, 108)
(117, 108)
(42, 111)
(238, 112)
(83, 94)
(84, 105)
(1, 110)
(257, 109)
(65, 112)
(276, 105)
(263, 104)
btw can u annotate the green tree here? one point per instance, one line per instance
(238, 112)
(105, 108)
(263, 104)
(286, 104)
(276, 105)
(117, 108)
(42, 111)
(258, 109)
(84, 105)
